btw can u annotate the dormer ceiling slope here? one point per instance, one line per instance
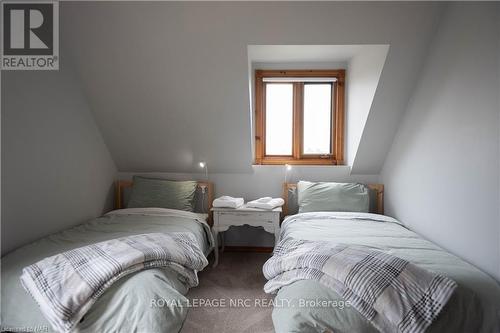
(168, 82)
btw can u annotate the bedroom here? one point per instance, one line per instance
(172, 91)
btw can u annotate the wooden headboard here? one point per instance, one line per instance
(122, 184)
(377, 188)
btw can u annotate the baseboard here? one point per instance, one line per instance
(258, 249)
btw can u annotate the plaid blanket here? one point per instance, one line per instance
(390, 292)
(66, 285)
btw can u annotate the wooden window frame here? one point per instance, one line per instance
(338, 118)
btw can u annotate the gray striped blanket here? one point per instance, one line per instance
(390, 292)
(66, 285)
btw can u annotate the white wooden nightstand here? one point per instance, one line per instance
(230, 217)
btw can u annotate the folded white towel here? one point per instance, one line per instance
(228, 202)
(266, 203)
(263, 200)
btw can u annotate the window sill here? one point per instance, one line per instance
(281, 161)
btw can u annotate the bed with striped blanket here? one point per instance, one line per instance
(141, 300)
(390, 292)
(66, 285)
(307, 304)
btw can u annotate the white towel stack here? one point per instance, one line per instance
(228, 202)
(266, 203)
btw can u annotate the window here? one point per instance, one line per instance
(299, 117)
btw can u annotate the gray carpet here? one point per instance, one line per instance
(238, 277)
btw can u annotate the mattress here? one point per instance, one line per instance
(146, 301)
(307, 306)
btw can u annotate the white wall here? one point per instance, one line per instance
(363, 76)
(498, 97)
(56, 169)
(442, 172)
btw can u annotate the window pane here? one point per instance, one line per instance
(317, 118)
(279, 118)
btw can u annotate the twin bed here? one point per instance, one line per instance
(131, 304)
(146, 301)
(473, 307)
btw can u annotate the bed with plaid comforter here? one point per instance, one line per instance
(392, 293)
(66, 285)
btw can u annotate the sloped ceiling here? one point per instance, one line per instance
(168, 81)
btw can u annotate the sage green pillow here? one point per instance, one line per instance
(161, 193)
(332, 197)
